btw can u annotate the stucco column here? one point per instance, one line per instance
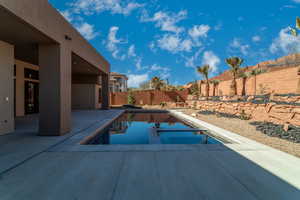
(6, 88)
(105, 91)
(55, 89)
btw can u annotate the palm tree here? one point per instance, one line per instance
(157, 83)
(200, 87)
(254, 73)
(244, 76)
(204, 71)
(215, 84)
(294, 32)
(235, 64)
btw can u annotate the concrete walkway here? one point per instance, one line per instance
(24, 143)
(175, 172)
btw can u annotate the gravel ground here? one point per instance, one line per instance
(243, 128)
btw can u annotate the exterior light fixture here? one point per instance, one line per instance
(68, 38)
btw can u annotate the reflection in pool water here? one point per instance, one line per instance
(136, 128)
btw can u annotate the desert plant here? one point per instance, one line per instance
(163, 104)
(244, 116)
(130, 98)
(204, 71)
(235, 64)
(215, 84)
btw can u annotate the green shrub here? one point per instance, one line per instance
(163, 104)
(131, 98)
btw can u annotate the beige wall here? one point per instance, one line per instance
(281, 82)
(37, 22)
(20, 85)
(81, 93)
(7, 92)
(85, 96)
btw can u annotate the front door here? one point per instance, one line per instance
(31, 97)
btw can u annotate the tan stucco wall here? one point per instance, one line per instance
(85, 96)
(281, 82)
(79, 94)
(6, 88)
(20, 85)
(41, 15)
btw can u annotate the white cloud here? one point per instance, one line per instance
(192, 61)
(152, 47)
(211, 59)
(288, 7)
(87, 30)
(164, 72)
(256, 38)
(89, 7)
(240, 18)
(166, 21)
(296, 1)
(138, 64)
(285, 42)
(67, 14)
(218, 26)
(236, 44)
(173, 43)
(134, 80)
(199, 31)
(131, 51)
(113, 42)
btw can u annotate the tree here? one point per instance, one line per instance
(204, 71)
(254, 73)
(130, 98)
(215, 84)
(244, 76)
(200, 87)
(235, 64)
(294, 32)
(157, 83)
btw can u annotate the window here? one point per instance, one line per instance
(31, 74)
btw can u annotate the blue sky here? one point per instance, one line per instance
(169, 38)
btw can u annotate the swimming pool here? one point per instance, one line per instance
(150, 128)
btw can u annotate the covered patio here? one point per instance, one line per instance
(71, 72)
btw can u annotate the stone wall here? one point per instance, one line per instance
(276, 109)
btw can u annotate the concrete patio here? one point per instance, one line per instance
(33, 167)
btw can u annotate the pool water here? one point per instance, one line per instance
(137, 128)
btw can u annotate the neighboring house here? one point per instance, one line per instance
(118, 82)
(46, 67)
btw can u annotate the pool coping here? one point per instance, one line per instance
(236, 142)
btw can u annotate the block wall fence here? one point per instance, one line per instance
(281, 82)
(149, 97)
